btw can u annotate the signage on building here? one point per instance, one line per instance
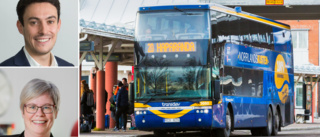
(86, 46)
(314, 79)
(112, 58)
(274, 2)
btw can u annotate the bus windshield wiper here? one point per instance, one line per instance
(185, 99)
(155, 94)
(148, 100)
(184, 13)
(151, 97)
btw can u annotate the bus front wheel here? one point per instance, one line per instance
(225, 132)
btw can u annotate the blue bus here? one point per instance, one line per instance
(211, 68)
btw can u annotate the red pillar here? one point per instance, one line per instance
(111, 69)
(100, 100)
(93, 84)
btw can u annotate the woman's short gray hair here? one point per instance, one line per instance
(38, 87)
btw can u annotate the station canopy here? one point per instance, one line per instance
(107, 22)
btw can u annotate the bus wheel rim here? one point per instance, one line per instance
(228, 122)
(269, 122)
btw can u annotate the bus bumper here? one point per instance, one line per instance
(190, 121)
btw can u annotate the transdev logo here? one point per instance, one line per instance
(281, 78)
(174, 104)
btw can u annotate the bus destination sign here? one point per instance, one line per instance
(163, 47)
(274, 2)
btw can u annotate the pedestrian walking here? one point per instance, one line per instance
(121, 107)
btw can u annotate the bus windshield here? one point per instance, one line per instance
(172, 25)
(172, 83)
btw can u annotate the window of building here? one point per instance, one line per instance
(300, 38)
(299, 96)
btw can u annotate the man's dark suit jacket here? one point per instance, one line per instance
(21, 135)
(20, 59)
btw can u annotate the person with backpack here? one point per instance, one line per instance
(121, 106)
(87, 103)
(113, 104)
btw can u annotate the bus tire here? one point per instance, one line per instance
(225, 132)
(276, 124)
(268, 129)
(160, 133)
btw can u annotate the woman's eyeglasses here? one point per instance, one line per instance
(47, 109)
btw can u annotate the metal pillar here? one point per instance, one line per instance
(100, 100)
(111, 76)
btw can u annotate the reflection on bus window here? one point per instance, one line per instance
(172, 25)
(172, 83)
(242, 82)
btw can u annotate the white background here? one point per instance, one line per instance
(12, 41)
(66, 79)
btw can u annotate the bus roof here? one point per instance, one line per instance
(172, 7)
(221, 8)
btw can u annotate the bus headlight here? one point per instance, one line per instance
(145, 112)
(206, 111)
(197, 111)
(137, 113)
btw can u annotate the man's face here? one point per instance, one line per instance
(41, 26)
(124, 82)
(39, 122)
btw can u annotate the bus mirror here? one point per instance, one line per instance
(216, 90)
(131, 98)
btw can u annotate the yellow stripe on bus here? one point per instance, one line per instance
(174, 115)
(140, 105)
(251, 17)
(201, 103)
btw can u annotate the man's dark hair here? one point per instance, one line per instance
(120, 84)
(23, 4)
(125, 79)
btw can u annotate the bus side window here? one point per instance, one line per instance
(234, 30)
(244, 32)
